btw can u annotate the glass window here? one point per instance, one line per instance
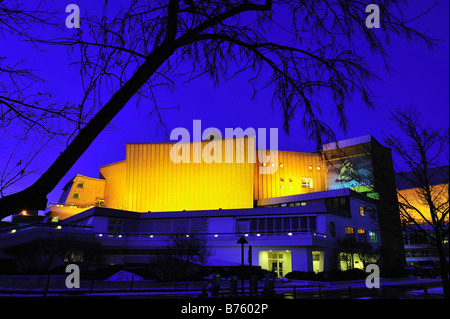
(361, 210)
(278, 224)
(361, 234)
(253, 224)
(76, 195)
(242, 226)
(303, 223)
(294, 225)
(349, 231)
(286, 223)
(261, 224)
(373, 237)
(332, 229)
(270, 224)
(114, 226)
(307, 182)
(80, 184)
(335, 202)
(343, 203)
(312, 223)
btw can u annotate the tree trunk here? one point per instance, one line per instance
(444, 267)
(35, 196)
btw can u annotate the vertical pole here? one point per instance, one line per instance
(349, 292)
(46, 286)
(242, 268)
(320, 292)
(92, 285)
(132, 281)
(295, 293)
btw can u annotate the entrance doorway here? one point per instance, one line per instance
(317, 261)
(278, 261)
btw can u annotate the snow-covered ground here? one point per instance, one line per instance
(431, 291)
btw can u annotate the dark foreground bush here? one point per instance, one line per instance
(334, 275)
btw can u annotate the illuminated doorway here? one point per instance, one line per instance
(317, 261)
(277, 261)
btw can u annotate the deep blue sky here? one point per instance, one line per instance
(422, 81)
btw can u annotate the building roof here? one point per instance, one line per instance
(244, 212)
(408, 180)
(315, 195)
(348, 142)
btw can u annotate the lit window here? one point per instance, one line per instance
(318, 168)
(373, 237)
(80, 184)
(362, 210)
(76, 195)
(307, 182)
(362, 234)
(349, 231)
(310, 167)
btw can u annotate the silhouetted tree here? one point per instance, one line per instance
(348, 247)
(420, 155)
(189, 248)
(143, 45)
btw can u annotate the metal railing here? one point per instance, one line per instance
(218, 236)
(16, 229)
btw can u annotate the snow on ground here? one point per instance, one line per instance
(434, 291)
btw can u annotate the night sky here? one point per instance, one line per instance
(422, 81)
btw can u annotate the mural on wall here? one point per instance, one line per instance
(355, 173)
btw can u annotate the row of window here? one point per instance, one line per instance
(361, 233)
(292, 204)
(276, 224)
(310, 167)
(342, 203)
(415, 239)
(421, 253)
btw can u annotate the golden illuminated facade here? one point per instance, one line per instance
(206, 175)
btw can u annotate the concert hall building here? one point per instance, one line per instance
(291, 207)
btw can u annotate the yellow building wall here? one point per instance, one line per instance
(411, 197)
(153, 182)
(89, 195)
(150, 180)
(116, 195)
(93, 190)
(291, 167)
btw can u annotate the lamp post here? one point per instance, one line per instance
(242, 241)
